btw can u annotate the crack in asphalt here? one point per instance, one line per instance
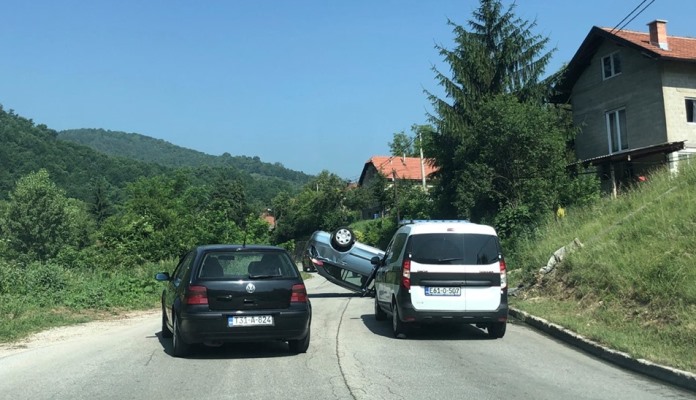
(338, 356)
(149, 359)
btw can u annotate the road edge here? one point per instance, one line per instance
(677, 377)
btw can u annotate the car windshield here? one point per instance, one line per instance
(454, 248)
(246, 265)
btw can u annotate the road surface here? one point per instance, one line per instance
(351, 356)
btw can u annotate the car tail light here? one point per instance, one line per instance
(503, 274)
(299, 294)
(406, 274)
(317, 262)
(197, 295)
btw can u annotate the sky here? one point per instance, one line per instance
(315, 85)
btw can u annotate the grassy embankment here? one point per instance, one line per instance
(632, 286)
(44, 295)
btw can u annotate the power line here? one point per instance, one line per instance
(620, 27)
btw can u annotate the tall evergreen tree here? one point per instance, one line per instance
(498, 56)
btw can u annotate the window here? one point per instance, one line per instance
(454, 249)
(616, 130)
(611, 65)
(690, 110)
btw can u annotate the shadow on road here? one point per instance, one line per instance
(272, 349)
(431, 331)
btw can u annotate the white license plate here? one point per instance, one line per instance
(250, 320)
(443, 291)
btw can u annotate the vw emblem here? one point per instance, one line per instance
(250, 288)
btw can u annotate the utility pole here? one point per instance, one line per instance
(422, 161)
(396, 195)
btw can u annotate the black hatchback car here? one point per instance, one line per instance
(235, 293)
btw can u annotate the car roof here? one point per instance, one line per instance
(238, 247)
(443, 226)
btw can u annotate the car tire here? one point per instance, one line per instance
(496, 330)
(300, 345)
(342, 239)
(166, 333)
(179, 347)
(398, 326)
(380, 315)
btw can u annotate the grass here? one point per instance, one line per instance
(42, 296)
(632, 286)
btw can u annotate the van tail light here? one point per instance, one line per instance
(406, 274)
(503, 274)
(299, 294)
(197, 295)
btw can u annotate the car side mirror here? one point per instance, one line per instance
(375, 260)
(162, 276)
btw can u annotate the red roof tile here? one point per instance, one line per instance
(405, 167)
(679, 48)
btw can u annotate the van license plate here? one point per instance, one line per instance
(443, 291)
(250, 320)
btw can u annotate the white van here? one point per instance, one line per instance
(442, 271)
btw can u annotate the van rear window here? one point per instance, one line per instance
(454, 248)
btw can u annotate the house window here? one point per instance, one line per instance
(611, 65)
(616, 130)
(690, 110)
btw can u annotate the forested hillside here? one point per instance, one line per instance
(145, 148)
(27, 147)
(82, 171)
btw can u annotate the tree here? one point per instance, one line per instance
(40, 220)
(402, 145)
(495, 144)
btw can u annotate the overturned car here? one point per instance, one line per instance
(339, 258)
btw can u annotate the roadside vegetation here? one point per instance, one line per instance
(632, 284)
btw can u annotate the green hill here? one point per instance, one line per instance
(147, 149)
(632, 284)
(27, 147)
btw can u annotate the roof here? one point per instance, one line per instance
(408, 168)
(682, 49)
(627, 155)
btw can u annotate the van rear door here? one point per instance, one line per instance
(455, 271)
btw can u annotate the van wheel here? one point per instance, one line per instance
(380, 315)
(179, 347)
(398, 326)
(342, 239)
(496, 330)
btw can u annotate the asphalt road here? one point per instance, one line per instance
(351, 356)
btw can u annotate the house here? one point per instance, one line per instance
(410, 169)
(633, 97)
(397, 170)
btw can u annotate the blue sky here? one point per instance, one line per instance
(311, 84)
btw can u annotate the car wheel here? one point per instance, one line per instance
(380, 315)
(496, 330)
(300, 345)
(179, 347)
(166, 333)
(342, 239)
(398, 326)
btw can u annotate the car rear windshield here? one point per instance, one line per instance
(454, 248)
(246, 265)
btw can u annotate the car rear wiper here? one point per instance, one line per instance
(264, 276)
(441, 260)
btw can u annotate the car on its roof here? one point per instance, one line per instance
(341, 259)
(235, 293)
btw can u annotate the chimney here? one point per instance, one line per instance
(658, 33)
